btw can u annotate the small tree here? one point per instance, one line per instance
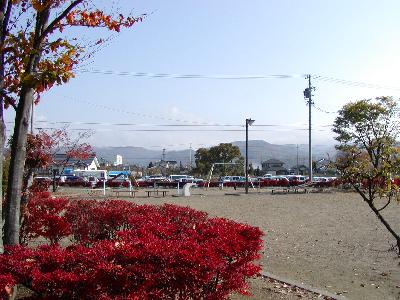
(369, 158)
(42, 148)
(223, 153)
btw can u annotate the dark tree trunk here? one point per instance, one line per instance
(386, 224)
(17, 163)
(370, 203)
(2, 142)
(5, 12)
(18, 146)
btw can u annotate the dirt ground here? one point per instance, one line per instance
(330, 241)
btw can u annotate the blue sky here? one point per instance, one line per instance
(352, 40)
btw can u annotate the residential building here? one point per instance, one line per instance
(274, 167)
(62, 162)
(299, 170)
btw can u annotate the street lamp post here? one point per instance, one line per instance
(249, 122)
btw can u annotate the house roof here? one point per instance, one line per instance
(273, 161)
(61, 158)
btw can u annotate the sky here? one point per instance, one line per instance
(354, 41)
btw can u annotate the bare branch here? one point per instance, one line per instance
(389, 199)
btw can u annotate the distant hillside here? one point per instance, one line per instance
(261, 150)
(258, 151)
(141, 156)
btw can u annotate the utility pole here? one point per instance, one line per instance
(190, 156)
(163, 155)
(308, 96)
(297, 159)
(249, 122)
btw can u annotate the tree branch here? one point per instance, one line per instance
(57, 20)
(10, 100)
(361, 193)
(382, 208)
(6, 19)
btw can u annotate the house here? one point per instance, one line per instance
(167, 164)
(274, 167)
(300, 170)
(62, 162)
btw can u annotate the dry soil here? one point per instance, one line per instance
(328, 240)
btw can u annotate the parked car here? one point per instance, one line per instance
(92, 181)
(157, 178)
(296, 179)
(75, 181)
(42, 179)
(118, 182)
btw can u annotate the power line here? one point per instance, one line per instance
(239, 77)
(174, 130)
(163, 125)
(354, 83)
(150, 125)
(140, 114)
(323, 110)
(190, 76)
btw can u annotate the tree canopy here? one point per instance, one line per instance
(223, 153)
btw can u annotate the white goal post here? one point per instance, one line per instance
(222, 163)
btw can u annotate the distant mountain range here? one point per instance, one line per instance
(258, 151)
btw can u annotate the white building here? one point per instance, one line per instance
(118, 161)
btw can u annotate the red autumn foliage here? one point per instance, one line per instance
(44, 218)
(60, 51)
(39, 188)
(120, 250)
(6, 283)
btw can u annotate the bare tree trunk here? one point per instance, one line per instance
(17, 163)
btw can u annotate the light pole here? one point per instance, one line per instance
(249, 122)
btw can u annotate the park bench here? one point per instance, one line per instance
(156, 192)
(131, 193)
(95, 192)
(286, 190)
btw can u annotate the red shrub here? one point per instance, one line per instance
(92, 221)
(6, 283)
(127, 251)
(43, 217)
(39, 186)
